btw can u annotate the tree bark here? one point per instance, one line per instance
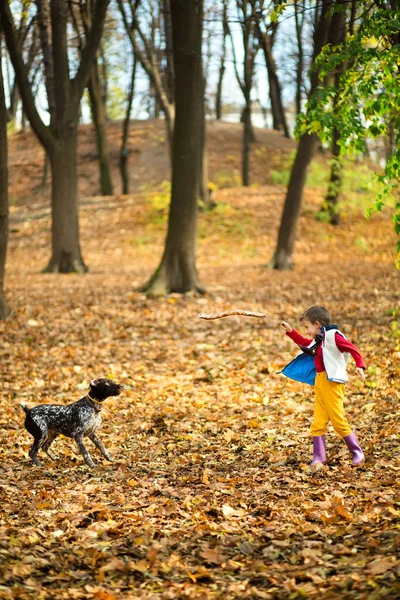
(305, 150)
(100, 123)
(4, 310)
(124, 153)
(177, 271)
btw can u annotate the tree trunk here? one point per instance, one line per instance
(305, 151)
(170, 75)
(177, 270)
(335, 182)
(222, 68)
(124, 153)
(100, 124)
(275, 88)
(45, 171)
(338, 36)
(247, 138)
(306, 148)
(299, 20)
(4, 310)
(203, 174)
(66, 253)
(43, 16)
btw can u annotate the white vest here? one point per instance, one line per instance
(335, 362)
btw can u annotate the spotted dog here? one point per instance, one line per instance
(77, 420)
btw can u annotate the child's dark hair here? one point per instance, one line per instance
(317, 313)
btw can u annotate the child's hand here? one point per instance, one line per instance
(286, 327)
(361, 373)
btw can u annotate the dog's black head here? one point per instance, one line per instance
(100, 389)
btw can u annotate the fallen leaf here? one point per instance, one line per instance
(212, 556)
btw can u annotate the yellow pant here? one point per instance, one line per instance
(329, 397)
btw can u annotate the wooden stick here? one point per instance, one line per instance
(232, 313)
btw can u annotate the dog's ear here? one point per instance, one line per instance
(94, 382)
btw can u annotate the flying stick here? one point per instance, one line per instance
(232, 313)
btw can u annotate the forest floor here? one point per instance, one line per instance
(209, 495)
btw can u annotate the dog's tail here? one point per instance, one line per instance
(24, 406)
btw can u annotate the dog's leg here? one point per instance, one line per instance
(34, 450)
(100, 446)
(40, 436)
(79, 442)
(50, 439)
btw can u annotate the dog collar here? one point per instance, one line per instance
(93, 400)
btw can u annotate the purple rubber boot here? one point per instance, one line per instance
(319, 451)
(352, 444)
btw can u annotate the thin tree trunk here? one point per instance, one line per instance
(4, 310)
(305, 150)
(66, 254)
(335, 181)
(275, 88)
(104, 81)
(177, 271)
(149, 63)
(336, 176)
(124, 153)
(45, 171)
(222, 68)
(170, 74)
(247, 138)
(299, 20)
(43, 16)
(203, 176)
(100, 124)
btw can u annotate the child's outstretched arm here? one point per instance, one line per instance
(294, 335)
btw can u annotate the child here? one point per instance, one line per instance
(330, 361)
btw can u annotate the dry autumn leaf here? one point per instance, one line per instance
(212, 556)
(382, 565)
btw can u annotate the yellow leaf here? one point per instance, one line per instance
(204, 478)
(315, 126)
(142, 566)
(228, 435)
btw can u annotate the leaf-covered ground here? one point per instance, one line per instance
(210, 495)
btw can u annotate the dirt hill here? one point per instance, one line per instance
(149, 159)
